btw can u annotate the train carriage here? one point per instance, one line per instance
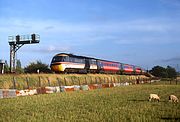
(128, 69)
(143, 71)
(109, 66)
(138, 70)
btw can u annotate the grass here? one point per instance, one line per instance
(125, 103)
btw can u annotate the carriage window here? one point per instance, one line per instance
(71, 59)
(67, 59)
(59, 59)
(92, 61)
(78, 60)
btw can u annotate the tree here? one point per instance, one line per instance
(18, 67)
(162, 72)
(35, 66)
(159, 71)
(171, 72)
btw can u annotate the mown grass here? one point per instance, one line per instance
(172, 82)
(125, 103)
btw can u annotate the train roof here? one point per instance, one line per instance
(72, 55)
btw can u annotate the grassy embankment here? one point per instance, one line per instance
(6, 81)
(125, 103)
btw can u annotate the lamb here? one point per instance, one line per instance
(173, 98)
(154, 97)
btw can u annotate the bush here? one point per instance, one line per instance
(35, 66)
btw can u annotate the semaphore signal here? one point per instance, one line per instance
(16, 42)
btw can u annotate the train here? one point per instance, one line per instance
(70, 63)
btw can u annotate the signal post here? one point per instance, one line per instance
(16, 42)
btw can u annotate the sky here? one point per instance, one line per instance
(140, 32)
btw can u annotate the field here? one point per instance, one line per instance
(125, 103)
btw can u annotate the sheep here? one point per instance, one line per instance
(173, 98)
(154, 97)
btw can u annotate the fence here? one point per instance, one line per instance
(42, 82)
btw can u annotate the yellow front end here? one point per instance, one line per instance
(58, 67)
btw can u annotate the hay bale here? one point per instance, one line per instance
(1, 93)
(111, 85)
(69, 88)
(50, 90)
(105, 85)
(41, 90)
(26, 92)
(8, 93)
(92, 86)
(76, 88)
(99, 86)
(84, 87)
(116, 84)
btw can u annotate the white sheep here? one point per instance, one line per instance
(173, 98)
(154, 97)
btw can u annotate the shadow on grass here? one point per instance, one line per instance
(136, 100)
(170, 118)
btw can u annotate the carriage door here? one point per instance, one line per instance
(87, 64)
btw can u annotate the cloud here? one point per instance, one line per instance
(174, 59)
(49, 27)
(171, 2)
(57, 49)
(133, 31)
(50, 49)
(156, 25)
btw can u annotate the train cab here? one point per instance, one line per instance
(73, 63)
(59, 62)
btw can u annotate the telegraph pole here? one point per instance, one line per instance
(177, 67)
(16, 42)
(2, 62)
